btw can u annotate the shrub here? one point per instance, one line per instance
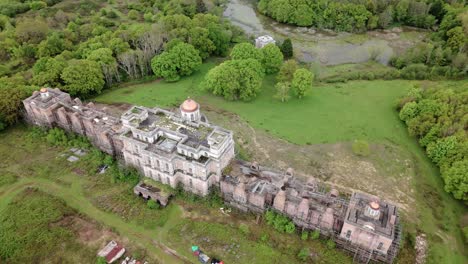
(152, 204)
(305, 235)
(290, 227)
(244, 229)
(36, 5)
(331, 244)
(417, 71)
(133, 14)
(101, 260)
(315, 235)
(303, 254)
(361, 148)
(57, 137)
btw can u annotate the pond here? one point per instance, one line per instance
(325, 46)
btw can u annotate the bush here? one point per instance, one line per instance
(361, 148)
(331, 244)
(57, 137)
(152, 204)
(315, 235)
(280, 222)
(417, 71)
(36, 5)
(101, 260)
(304, 235)
(303, 254)
(244, 229)
(133, 14)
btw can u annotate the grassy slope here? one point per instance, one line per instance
(332, 113)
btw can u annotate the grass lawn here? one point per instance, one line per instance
(333, 113)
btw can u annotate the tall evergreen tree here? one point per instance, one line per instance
(287, 48)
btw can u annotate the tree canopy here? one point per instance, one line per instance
(181, 60)
(235, 79)
(246, 50)
(272, 58)
(83, 77)
(301, 82)
(438, 118)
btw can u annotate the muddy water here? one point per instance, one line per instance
(325, 47)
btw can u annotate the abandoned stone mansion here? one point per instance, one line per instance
(182, 147)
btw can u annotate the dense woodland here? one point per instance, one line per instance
(439, 119)
(58, 43)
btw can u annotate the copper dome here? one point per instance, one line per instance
(374, 205)
(189, 105)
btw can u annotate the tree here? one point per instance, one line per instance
(456, 179)
(244, 51)
(287, 48)
(439, 150)
(302, 82)
(282, 91)
(53, 45)
(401, 10)
(199, 38)
(47, 71)
(272, 58)
(386, 17)
(108, 64)
(83, 77)
(456, 38)
(31, 30)
(10, 102)
(287, 71)
(201, 8)
(235, 79)
(179, 61)
(409, 111)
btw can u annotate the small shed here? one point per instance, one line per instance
(112, 251)
(262, 41)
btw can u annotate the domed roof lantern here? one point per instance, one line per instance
(190, 110)
(189, 105)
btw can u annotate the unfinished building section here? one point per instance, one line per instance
(183, 148)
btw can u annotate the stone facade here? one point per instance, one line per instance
(184, 148)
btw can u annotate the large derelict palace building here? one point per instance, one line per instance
(183, 148)
(167, 147)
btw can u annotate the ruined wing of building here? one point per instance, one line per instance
(182, 147)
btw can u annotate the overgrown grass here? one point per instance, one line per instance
(334, 113)
(30, 231)
(115, 206)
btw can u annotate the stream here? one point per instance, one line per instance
(325, 46)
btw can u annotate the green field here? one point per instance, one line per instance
(333, 113)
